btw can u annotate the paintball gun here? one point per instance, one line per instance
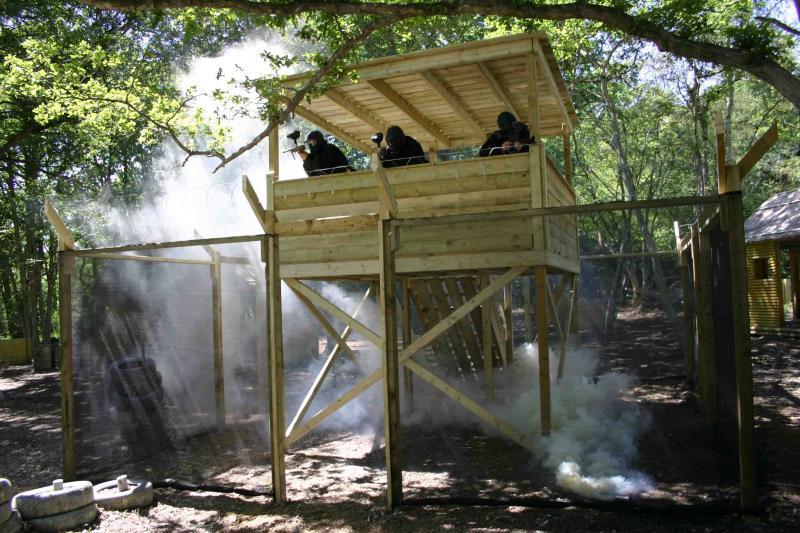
(297, 147)
(377, 138)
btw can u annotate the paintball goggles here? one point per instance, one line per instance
(377, 138)
(297, 147)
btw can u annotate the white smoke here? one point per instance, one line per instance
(593, 431)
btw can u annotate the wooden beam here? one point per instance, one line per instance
(386, 197)
(148, 259)
(163, 245)
(551, 82)
(363, 330)
(255, 204)
(407, 352)
(405, 307)
(757, 151)
(453, 101)
(276, 374)
(356, 110)
(66, 266)
(334, 130)
(462, 399)
(391, 378)
(704, 325)
(411, 112)
(326, 368)
(744, 369)
(488, 356)
(216, 320)
(567, 147)
(65, 238)
(543, 333)
(497, 89)
(334, 225)
(509, 323)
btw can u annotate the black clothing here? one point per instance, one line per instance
(399, 154)
(517, 133)
(324, 158)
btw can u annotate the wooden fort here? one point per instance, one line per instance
(449, 236)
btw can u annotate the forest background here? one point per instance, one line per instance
(89, 100)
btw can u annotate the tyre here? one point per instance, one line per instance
(147, 403)
(5, 490)
(5, 511)
(135, 376)
(110, 495)
(48, 501)
(12, 525)
(63, 521)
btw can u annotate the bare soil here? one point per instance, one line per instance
(336, 479)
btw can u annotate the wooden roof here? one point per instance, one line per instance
(777, 219)
(449, 96)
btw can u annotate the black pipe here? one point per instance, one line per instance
(185, 485)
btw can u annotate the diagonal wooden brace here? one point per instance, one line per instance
(420, 343)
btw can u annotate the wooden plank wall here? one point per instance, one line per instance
(765, 295)
(563, 237)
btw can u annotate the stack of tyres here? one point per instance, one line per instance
(123, 493)
(58, 507)
(135, 383)
(10, 522)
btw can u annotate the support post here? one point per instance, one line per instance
(526, 298)
(391, 393)
(486, 328)
(216, 314)
(704, 323)
(543, 332)
(276, 374)
(509, 337)
(741, 336)
(66, 265)
(565, 133)
(408, 376)
(688, 348)
(793, 281)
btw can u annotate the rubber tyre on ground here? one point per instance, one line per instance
(5, 490)
(69, 520)
(139, 494)
(47, 502)
(12, 525)
(135, 376)
(148, 403)
(5, 511)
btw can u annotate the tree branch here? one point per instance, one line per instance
(613, 18)
(301, 93)
(781, 25)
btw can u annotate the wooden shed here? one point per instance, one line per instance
(772, 233)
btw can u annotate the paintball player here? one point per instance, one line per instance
(323, 157)
(512, 137)
(403, 149)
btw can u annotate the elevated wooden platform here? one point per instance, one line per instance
(327, 225)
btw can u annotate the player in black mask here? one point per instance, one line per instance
(512, 137)
(403, 149)
(323, 157)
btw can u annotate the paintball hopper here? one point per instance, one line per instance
(377, 138)
(297, 147)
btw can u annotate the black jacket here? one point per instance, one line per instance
(325, 159)
(493, 145)
(411, 153)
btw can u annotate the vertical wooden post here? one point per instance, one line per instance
(565, 133)
(704, 323)
(66, 265)
(538, 175)
(688, 348)
(543, 332)
(391, 401)
(408, 376)
(722, 177)
(526, 298)
(741, 336)
(276, 375)
(793, 282)
(486, 328)
(509, 324)
(259, 315)
(216, 319)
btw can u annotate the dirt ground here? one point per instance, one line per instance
(336, 479)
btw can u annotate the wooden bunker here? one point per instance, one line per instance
(769, 232)
(451, 236)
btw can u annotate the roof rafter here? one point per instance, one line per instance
(497, 89)
(551, 82)
(356, 110)
(332, 129)
(452, 100)
(412, 112)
